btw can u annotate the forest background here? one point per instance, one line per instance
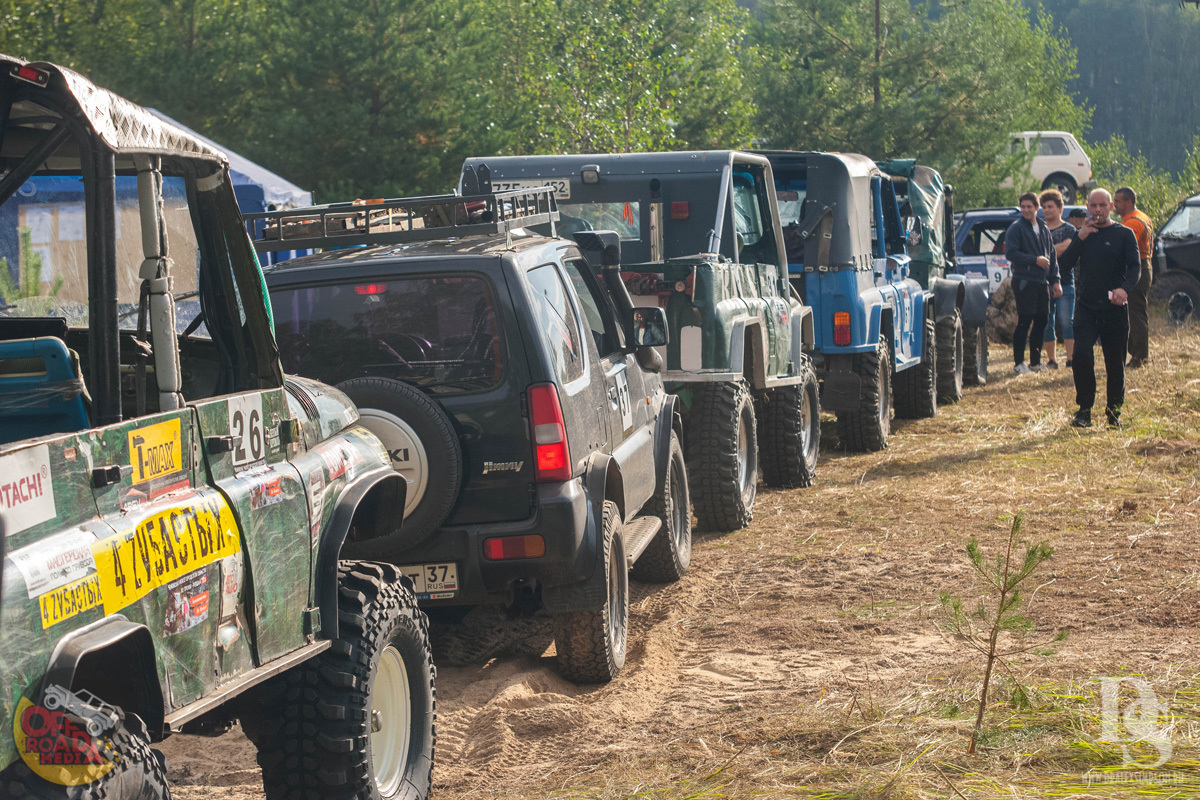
(386, 97)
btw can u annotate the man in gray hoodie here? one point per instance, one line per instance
(1030, 253)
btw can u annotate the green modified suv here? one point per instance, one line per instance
(701, 239)
(173, 509)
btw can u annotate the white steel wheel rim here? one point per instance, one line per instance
(617, 619)
(743, 452)
(391, 722)
(399, 437)
(808, 436)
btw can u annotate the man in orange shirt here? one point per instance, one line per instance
(1125, 204)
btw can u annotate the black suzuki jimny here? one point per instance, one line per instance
(517, 390)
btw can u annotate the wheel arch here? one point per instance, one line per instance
(101, 657)
(371, 506)
(948, 297)
(747, 342)
(669, 420)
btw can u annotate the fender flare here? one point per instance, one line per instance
(386, 489)
(758, 346)
(137, 648)
(948, 297)
(590, 593)
(669, 420)
(804, 335)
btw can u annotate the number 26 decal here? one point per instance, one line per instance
(246, 424)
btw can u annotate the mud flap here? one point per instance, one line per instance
(591, 593)
(842, 386)
(948, 296)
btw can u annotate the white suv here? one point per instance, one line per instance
(1059, 162)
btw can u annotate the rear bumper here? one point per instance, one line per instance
(561, 518)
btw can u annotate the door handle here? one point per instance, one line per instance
(110, 474)
(222, 444)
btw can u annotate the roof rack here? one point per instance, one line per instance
(401, 220)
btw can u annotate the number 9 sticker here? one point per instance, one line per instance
(246, 423)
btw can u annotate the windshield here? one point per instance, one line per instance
(43, 251)
(1185, 223)
(624, 218)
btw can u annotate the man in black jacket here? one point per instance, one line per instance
(1030, 252)
(1107, 254)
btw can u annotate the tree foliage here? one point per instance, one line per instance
(1158, 192)
(946, 88)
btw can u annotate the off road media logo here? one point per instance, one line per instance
(1133, 718)
(59, 749)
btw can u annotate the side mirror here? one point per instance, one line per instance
(649, 327)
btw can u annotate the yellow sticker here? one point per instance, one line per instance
(58, 749)
(164, 547)
(156, 450)
(67, 601)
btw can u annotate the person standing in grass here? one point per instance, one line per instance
(1030, 253)
(1062, 308)
(1125, 204)
(1107, 255)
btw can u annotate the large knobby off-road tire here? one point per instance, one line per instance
(139, 773)
(358, 720)
(1179, 292)
(916, 387)
(722, 455)
(975, 356)
(423, 447)
(666, 558)
(950, 358)
(789, 432)
(591, 645)
(867, 429)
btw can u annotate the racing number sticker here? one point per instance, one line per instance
(163, 547)
(623, 400)
(246, 423)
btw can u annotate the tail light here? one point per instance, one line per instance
(841, 329)
(514, 547)
(552, 456)
(371, 288)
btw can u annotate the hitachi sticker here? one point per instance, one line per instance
(55, 562)
(26, 489)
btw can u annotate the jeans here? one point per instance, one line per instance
(1062, 308)
(1033, 304)
(1109, 326)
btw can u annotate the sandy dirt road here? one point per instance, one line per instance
(806, 656)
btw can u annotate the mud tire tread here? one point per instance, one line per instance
(950, 351)
(663, 561)
(862, 431)
(916, 387)
(712, 456)
(975, 356)
(781, 436)
(315, 727)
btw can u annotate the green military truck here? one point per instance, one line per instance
(700, 238)
(173, 508)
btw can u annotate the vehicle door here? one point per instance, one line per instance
(628, 389)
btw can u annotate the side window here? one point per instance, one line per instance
(747, 218)
(1053, 146)
(597, 310)
(557, 321)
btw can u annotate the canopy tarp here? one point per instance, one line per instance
(926, 194)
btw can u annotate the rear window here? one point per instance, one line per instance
(439, 333)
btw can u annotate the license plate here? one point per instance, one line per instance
(433, 581)
(561, 186)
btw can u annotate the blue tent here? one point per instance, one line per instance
(256, 188)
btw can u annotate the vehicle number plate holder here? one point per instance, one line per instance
(433, 581)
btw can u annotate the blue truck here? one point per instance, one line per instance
(875, 338)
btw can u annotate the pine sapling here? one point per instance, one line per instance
(999, 611)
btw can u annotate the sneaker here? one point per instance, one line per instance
(1114, 417)
(1136, 363)
(1021, 369)
(1038, 368)
(1070, 363)
(1054, 364)
(1082, 419)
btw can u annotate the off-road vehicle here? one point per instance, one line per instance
(174, 511)
(700, 238)
(876, 345)
(1177, 262)
(515, 387)
(960, 301)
